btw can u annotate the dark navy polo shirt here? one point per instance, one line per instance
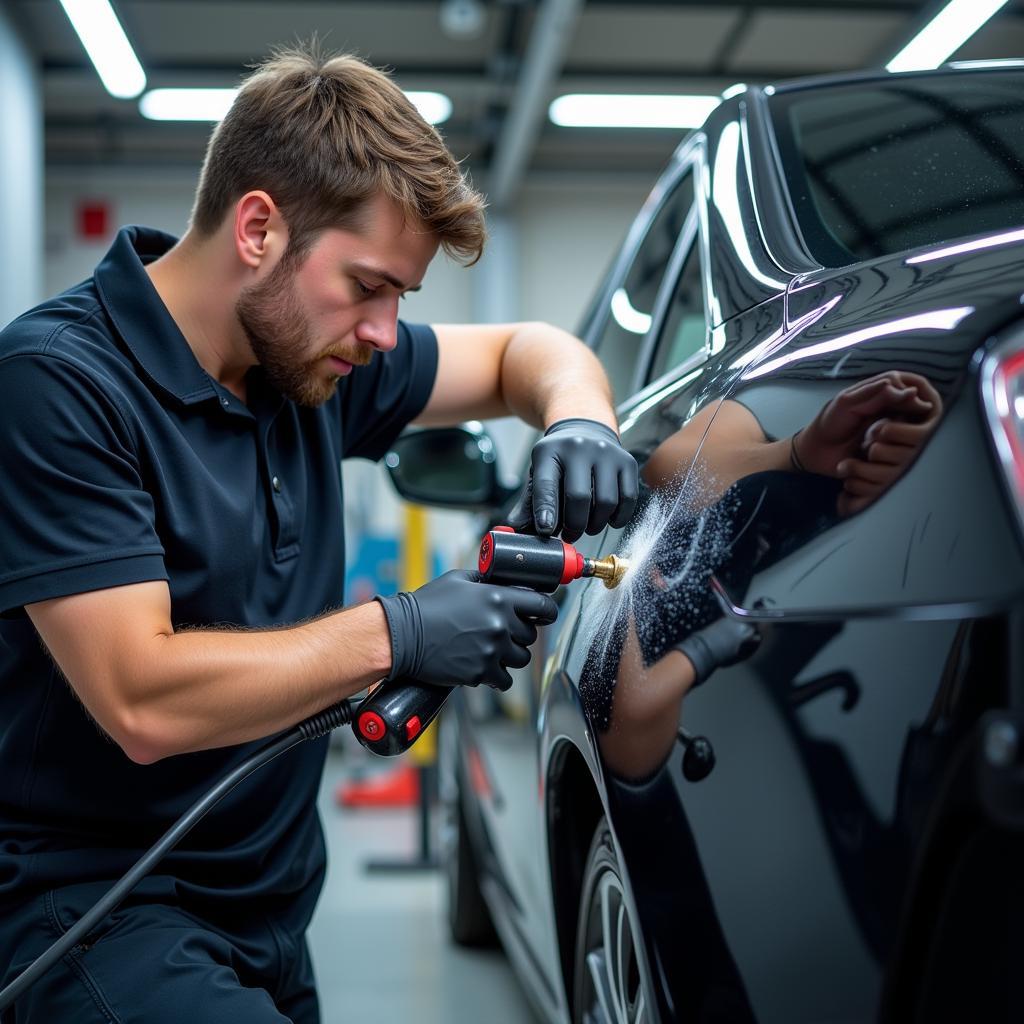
(124, 461)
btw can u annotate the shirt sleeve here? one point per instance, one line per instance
(378, 401)
(76, 515)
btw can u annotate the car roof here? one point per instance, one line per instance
(880, 74)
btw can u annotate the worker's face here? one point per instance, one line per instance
(310, 324)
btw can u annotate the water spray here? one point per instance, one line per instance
(390, 719)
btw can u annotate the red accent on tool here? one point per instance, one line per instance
(573, 567)
(372, 726)
(413, 727)
(487, 547)
(486, 553)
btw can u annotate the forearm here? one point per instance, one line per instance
(548, 375)
(731, 465)
(717, 466)
(723, 443)
(211, 688)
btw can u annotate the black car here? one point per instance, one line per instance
(815, 328)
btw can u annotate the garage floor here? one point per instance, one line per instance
(380, 942)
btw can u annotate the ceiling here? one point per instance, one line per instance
(669, 46)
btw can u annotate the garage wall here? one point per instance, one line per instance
(21, 174)
(568, 231)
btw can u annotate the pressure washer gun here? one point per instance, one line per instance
(392, 716)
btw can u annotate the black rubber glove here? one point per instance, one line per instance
(581, 479)
(724, 642)
(456, 629)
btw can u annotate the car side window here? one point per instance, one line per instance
(630, 316)
(684, 331)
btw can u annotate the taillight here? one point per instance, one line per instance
(1002, 377)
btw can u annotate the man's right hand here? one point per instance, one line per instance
(456, 629)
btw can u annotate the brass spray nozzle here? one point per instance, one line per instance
(611, 569)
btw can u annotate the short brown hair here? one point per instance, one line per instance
(322, 135)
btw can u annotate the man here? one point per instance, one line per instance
(172, 430)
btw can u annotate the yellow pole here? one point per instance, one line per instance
(414, 572)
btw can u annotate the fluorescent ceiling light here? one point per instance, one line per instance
(944, 34)
(434, 107)
(107, 46)
(613, 110)
(186, 104)
(213, 104)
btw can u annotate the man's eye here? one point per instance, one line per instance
(363, 289)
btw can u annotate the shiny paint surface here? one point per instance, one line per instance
(833, 864)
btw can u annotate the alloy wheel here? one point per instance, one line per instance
(610, 991)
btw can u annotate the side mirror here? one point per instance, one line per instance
(452, 467)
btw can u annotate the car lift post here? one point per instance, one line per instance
(415, 571)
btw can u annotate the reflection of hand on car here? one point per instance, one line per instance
(646, 701)
(890, 445)
(838, 432)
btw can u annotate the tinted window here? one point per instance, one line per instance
(912, 161)
(684, 330)
(629, 319)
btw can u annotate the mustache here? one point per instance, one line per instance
(356, 355)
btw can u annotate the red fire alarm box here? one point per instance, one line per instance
(93, 219)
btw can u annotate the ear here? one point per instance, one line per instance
(260, 233)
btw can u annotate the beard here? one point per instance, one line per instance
(280, 335)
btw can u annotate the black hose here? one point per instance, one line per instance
(310, 728)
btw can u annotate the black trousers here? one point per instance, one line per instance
(154, 963)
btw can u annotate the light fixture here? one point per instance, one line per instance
(434, 107)
(107, 46)
(944, 34)
(213, 104)
(617, 110)
(462, 19)
(186, 104)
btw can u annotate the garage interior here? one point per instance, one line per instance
(79, 162)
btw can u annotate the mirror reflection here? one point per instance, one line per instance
(725, 497)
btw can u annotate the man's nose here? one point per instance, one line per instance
(380, 326)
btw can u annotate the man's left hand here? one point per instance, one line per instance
(581, 479)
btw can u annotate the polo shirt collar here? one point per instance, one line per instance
(142, 319)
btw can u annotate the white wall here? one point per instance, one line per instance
(564, 236)
(21, 175)
(570, 228)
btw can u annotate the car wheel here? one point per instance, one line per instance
(469, 918)
(607, 984)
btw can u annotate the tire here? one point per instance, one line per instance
(469, 918)
(607, 984)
